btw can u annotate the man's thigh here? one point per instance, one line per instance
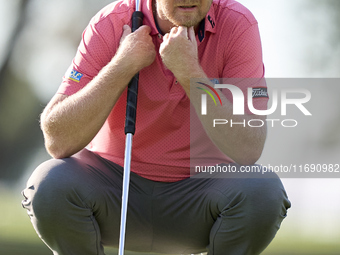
(70, 199)
(195, 214)
(79, 199)
(162, 217)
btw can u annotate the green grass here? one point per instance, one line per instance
(17, 236)
(294, 246)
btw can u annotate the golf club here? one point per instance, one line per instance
(130, 127)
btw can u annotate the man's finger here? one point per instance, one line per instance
(126, 32)
(183, 31)
(173, 31)
(191, 34)
(145, 29)
(166, 37)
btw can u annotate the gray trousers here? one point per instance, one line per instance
(74, 205)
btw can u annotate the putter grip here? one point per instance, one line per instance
(137, 20)
(131, 104)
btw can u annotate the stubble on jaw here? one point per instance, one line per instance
(168, 13)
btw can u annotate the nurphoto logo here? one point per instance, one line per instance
(285, 96)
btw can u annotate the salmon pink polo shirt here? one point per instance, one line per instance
(229, 46)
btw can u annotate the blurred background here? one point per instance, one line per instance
(38, 39)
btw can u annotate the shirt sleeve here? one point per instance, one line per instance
(96, 49)
(244, 64)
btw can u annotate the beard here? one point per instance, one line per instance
(170, 13)
(187, 20)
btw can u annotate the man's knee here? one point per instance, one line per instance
(261, 195)
(50, 185)
(267, 192)
(267, 205)
(261, 200)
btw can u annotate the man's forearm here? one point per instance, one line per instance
(241, 143)
(69, 125)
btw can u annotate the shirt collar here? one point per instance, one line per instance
(207, 24)
(148, 16)
(210, 20)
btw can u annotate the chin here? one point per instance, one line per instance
(187, 22)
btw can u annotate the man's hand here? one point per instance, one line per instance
(179, 53)
(136, 49)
